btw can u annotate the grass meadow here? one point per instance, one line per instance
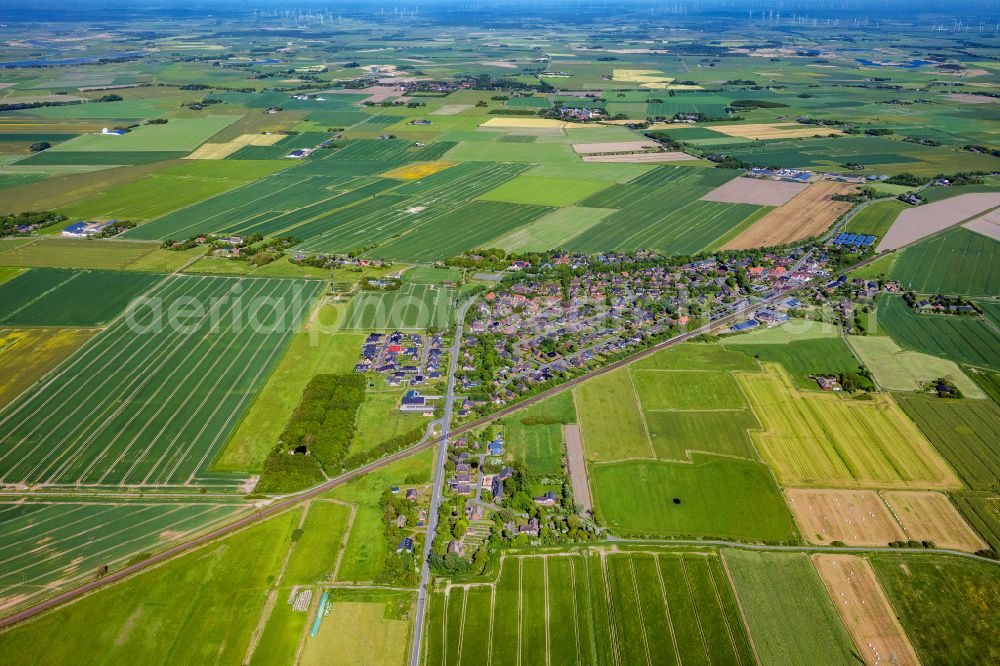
(970, 340)
(946, 605)
(964, 431)
(72, 253)
(712, 496)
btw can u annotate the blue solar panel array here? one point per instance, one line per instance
(853, 240)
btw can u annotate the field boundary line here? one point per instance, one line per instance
(347, 535)
(493, 605)
(612, 627)
(272, 596)
(739, 606)
(209, 353)
(548, 638)
(694, 604)
(666, 608)
(638, 605)
(722, 610)
(461, 628)
(642, 415)
(520, 607)
(576, 612)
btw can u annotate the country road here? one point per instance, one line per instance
(287, 502)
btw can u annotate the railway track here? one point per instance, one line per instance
(288, 502)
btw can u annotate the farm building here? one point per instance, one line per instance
(85, 229)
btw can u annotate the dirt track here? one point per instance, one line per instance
(577, 465)
(863, 607)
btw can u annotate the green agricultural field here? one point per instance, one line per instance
(469, 227)
(170, 189)
(790, 614)
(163, 392)
(660, 390)
(432, 275)
(639, 608)
(310, 352)
(52, 296)
(982, 511)
(183, 597)
(179, 134)
(793, 330)
(553, 230)
(970, 340)
(697, 356)
(364, 556)
(27, 355)
(602, 171)
(72, 253)
(106, 158)
(675, 434)
(964, 431)
(946, 605)
(544, 191)
(412, 307)
(315, 554)
(875, 219)
(373, 626)
(710, 497)
(802, 358)
(540, 446)
(904, 370)
(133, 109)
(381, 419)
(958, 261)
(817, 439)
(480, 151)
(611, 423)
(50, 547)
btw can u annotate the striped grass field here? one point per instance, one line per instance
(49, 546)
(150, 400)
(825, 440)
(561, 609)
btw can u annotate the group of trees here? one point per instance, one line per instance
(323, 423)
(34, 219)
